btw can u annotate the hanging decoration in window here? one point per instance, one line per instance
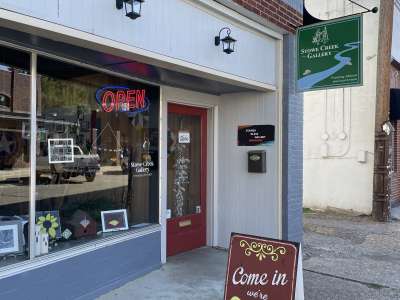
(181, 180)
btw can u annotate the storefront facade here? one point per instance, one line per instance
(119, 140)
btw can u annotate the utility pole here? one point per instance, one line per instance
(383, 140)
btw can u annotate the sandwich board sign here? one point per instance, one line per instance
(329, 54)
(261, 268)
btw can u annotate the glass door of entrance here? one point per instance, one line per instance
(187, 148)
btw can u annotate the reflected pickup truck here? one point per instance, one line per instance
(84, 165)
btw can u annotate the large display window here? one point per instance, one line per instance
(96, 164)
(14, 155)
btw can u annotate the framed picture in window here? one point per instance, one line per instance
(11, 237)
(114, 220)
(60, 150)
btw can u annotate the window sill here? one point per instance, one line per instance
(42, 261)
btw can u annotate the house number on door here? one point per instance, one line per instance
(184, 137)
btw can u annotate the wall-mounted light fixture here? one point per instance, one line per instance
(228, 43)
(133, 8)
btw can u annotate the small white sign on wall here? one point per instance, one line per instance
(184, 137)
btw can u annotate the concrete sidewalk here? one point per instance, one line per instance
(350, 258)
(345, 258)
(198, 274)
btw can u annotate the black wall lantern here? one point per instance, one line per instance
(133, 8)
(228, 43)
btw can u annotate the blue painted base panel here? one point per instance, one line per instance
(89, 275)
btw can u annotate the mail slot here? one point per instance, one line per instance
(257, 161)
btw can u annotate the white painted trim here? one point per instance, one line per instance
(215, 176)
(221, 10)
(279, 122)
(299, 294)
(163, 171)
(72, 36)
(32, 182)
(49, 259)
(211, 161)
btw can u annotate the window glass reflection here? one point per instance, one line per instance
(97, 157)
(14, 155)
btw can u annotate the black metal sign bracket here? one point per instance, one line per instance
(309, 19)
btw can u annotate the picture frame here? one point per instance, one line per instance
(114, 220)
(11, 237)
(60, 151)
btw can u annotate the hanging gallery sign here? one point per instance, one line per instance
(261, 268)
(256, 135)
(329, 54)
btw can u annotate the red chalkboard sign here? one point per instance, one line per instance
(260, 268)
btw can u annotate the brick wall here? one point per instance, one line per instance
(395, 182)
(275, 11)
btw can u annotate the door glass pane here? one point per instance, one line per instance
(184, 164)
(14, 155)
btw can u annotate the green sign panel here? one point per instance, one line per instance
(329, 54)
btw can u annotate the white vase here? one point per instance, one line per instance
(44, 247)
(38, 240)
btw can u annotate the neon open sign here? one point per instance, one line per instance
(122, 99)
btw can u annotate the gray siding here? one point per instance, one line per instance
(292, 147)
(86, 276)
(247, 202)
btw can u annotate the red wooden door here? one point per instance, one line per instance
(186, 194)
